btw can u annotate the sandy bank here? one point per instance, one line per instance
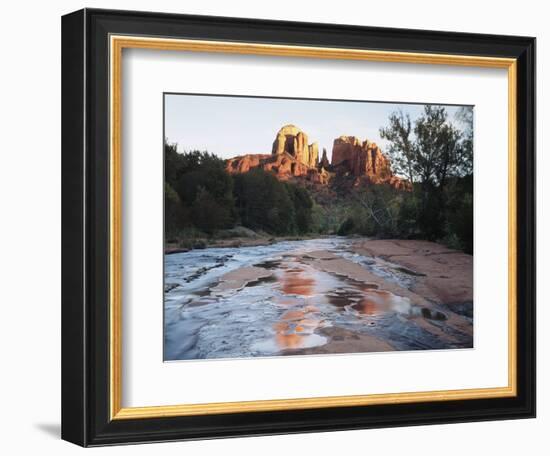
(443, 275)
(344, 341)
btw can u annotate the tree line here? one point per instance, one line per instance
(432, 152)
(436, 156)
(200, 194)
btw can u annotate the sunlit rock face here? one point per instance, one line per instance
(293, 141)
(293, 157)
(284, 166)
(361, 158)
(364, 159)
(244, 163)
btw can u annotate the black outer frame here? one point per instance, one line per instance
(85, 227)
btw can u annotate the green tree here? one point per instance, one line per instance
(377, 213)
(303, 207)
(173, 163)
(264, 203)
(431, 151)
(201, 169)
(431, 154)
(465, 117)
(401, 148)
(197, 178)
(173, 210)
(209, 214)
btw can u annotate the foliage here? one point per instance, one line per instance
(460, 213)
(379, 211)
(201, 194)
(303, 205)
(347, 227)
(327, 216)
(401, 149)
(173, 210)
(211, 213)
(437, 158)
(380, 208)
(203, 188)
(434, 153)
(264, 203)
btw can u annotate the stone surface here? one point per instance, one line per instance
(294, 142)
(313, 155)
(361, 158)
(244, 163)
(443, 275)
(284, 166)
(324, 163)
(320, 176)
(293, 157)
(364, 159)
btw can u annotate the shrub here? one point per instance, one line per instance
(347, 227)
(265, 203)
(209, 214)
(173, 211)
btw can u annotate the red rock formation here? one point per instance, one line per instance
(293, 157)
(293, 141)
(313, 150)
(324, 163)
(284, 166)
(364, 159)
(318, 176)
(245, 163)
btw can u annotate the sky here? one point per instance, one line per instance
(229, 126)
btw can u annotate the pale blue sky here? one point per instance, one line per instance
(231, 126)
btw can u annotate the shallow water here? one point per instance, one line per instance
(287, 311)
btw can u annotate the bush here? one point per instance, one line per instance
(265, 203)
(303, 205)
(198, 191)
(200, 195)
(407, 218)
(460, 223)
(208, 214)
(377, 211)
(347, 227)
(173, 211)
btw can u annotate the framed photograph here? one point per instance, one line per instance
(280, 227)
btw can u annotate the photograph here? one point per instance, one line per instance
(316, 226)
(281, 223)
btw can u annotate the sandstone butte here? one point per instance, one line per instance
(293, 157)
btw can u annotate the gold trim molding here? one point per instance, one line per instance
(117, 44)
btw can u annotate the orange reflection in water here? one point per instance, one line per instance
(296, 327)
(297, 282)
(375, 302)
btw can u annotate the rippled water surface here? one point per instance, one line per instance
(289, 309)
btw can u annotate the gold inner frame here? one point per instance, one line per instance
(117, 44)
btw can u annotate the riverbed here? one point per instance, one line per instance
(316, 296)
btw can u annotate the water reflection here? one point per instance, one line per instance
(297, 326)
(379, 302)
(297, 281)
(304, 290)
(287, 310)
(296, 329)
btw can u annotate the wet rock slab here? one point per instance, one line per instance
(313, 297)
(445, 276)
